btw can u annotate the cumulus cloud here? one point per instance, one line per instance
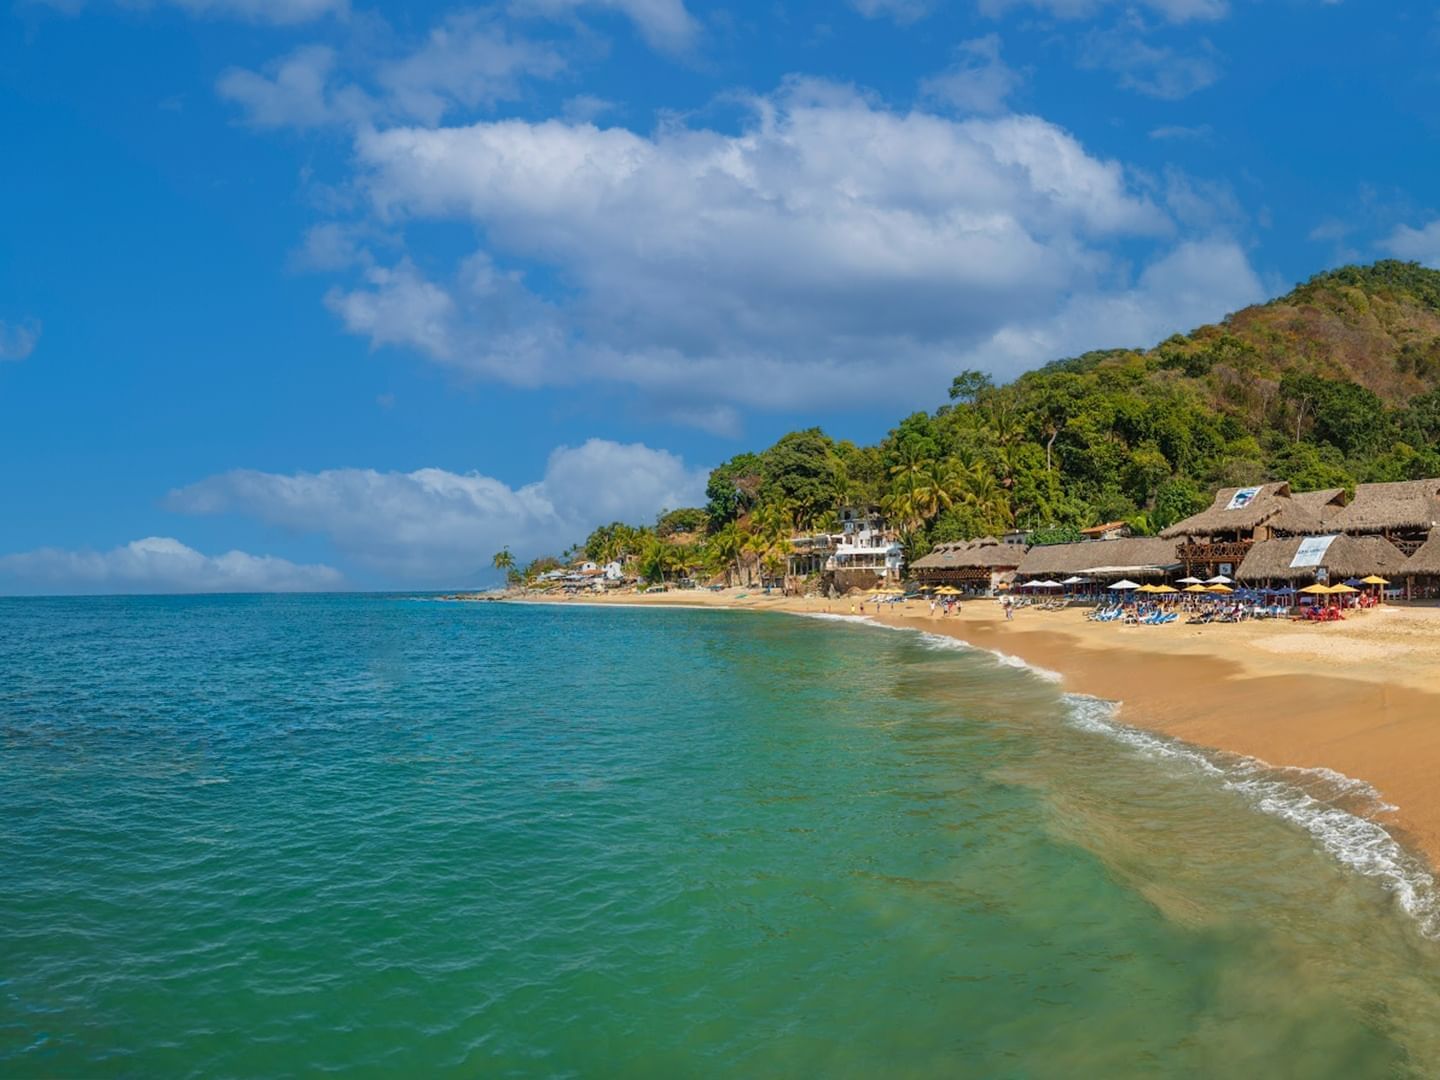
(1159, 71)
(1420, 245)
(903, 12)
(831, 253)
(1177, 11)
(17, 340)
(281, 12)
(979, 81)
(437, 527)
(470, 60)
(159, 564)
(665, 24)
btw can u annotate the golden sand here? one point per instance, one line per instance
(1361, 697)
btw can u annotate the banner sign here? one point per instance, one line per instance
(1311, 552)
(1243, 498)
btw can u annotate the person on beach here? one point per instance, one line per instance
(1009, 609)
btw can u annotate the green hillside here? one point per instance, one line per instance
(1332, 384)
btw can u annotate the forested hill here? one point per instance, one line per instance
(1332, 384)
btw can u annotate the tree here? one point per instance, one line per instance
(969, 385)
(732, 488)
(800, 472)
(503, 560)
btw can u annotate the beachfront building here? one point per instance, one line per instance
(1329, 560)
(973, 566)
(1403, 513)
(1422, 570)
(1217, 540)
(863, 554)
(1111, 530)
(1139, 558)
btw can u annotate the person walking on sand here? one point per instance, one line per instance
(1009, 609)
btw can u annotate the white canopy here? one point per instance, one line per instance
(1077, 581)
(1046, 585)
(1126, 584)
(1190, 581)
(1219, 579)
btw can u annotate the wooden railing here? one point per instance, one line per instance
(1230, 551)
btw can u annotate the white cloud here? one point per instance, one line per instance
(1419, 245)
(665, 24)
(1177, 11)
(17, 340)
(281, 12)
(903, 12)
(437, 527)
(832, 253)
(468, 61)
(159, 564)
(979, 81)
(1154, 70)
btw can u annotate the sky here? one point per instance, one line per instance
(323, 294)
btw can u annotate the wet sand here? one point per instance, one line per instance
(1360, 697)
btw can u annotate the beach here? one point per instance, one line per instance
(1354, 697)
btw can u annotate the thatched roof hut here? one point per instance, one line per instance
(1410, 506)
(1347, 556)
(1242, 511)
(986, 552)
(1323, 504)
(1426, 561)
(1127, 557)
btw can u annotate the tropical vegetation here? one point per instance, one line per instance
(1335, 383)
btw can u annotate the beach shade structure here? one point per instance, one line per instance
(1316, 590)
(1219, 579)
(1148, 588)
(1125, 585)
(1343, 590)
(1354, 583)
(1374, 579)
(1048, 585)
(1220, 589)
(1077, 580)
(947, 590)
(1196, 588)
(1191, 581)
(1165, 589)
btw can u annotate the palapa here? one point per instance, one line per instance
(1347, 556)
(1132, 555)
(986, 553)
(1271, 506)
(1406, 506)
(1426, 561)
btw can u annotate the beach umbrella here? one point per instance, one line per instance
(1191, 581)
(1075, 580)
(1316, 590)
(1146, 588)
(1374, 579)
(946, 590)
(1219, 589)
(1125, 585)
(1197, 587)
(1219, 579)
(1353, 582)
(1343, 590)
(1164, 589)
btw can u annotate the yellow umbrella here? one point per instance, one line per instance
(1316, 590)
(1164, 589)
(1224, 589)
(1342, 590)
(946, 590)
(1147, 588)
(1197, 588)
(1374, 579)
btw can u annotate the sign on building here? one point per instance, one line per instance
(1242, 498)
(1311, 551)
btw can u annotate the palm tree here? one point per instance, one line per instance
(503, 560)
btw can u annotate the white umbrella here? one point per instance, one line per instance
(1048, 585)
(1219, 579)
(1076, 581)
(1190, 581)
(1126, 585)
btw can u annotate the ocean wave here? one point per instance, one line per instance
(1314, 799)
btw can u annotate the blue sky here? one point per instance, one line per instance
(316, 294)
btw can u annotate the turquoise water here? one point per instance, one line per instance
(275, 836)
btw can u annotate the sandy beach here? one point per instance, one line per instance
(1357, 697)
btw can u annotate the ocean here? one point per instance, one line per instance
(273, 836)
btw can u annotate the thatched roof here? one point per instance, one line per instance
(1347, 556)
(986, 552)
(1323, 504)
(1426, 561)
(1053, 559)
(1410, 505)
(1271, 505)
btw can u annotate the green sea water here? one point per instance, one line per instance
(258, 836)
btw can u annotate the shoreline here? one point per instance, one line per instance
(1352, 698)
